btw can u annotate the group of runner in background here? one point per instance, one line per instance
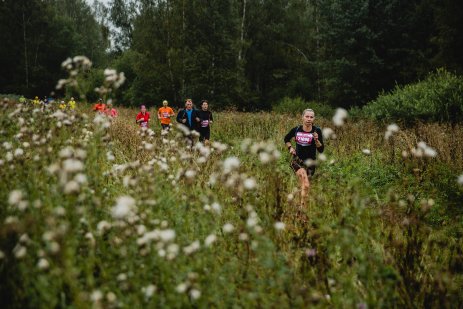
(308, 137)
(194, 119)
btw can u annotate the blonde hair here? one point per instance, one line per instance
(308, 110)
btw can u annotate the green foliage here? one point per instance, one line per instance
(437, 98)
(297, 105)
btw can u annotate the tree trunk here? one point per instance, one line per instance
(169, 61)
(25, 51)
(243, 19)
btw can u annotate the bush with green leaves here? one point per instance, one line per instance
(437, 98)
(295, 106)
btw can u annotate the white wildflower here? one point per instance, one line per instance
(228, 228)
(71, 187)
(19, 251)
(243, 237)
(250, 184)
(111, 297)
(124, 207)
(264, 157)
(339, 117)
(167, 235)
(391, 129)
(103, 226)
(15, 197)
(181, 288)
(72, 165)
(230, 164)
(7, 145)
(43, 264)
(193, 247)
(96, 296)
(195, 294)
(9, 156)
(18, 152)
(328, 133)
(210, 240)
(149, 290)
(366, 151)
(216, 207)
(190, 174)
(279, 226)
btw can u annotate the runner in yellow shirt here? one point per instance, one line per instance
(62, 105)
(72, 104)
(36, 101)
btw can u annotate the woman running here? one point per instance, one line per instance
(143, 117)
(205, 124)
(309, 140)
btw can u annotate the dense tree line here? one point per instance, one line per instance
(242, 53)
(36, 36)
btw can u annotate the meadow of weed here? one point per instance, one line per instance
(98, 213)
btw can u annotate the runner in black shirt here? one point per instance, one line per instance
(205, 123)
(309, 140)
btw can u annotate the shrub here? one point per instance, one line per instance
(438, 98)
(295, 106)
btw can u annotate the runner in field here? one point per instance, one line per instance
(189, 116)
(36, 101)
(164, 115)
(206, 119)
(62, 105)
(72, 104)
(309, 141)
(143, 117)
(110, 110)
(100, 106)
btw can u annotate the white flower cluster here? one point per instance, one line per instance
(391, 129)
(73, 67)
(339, 117)
(423, 150)
(266, 151)
(190, 286)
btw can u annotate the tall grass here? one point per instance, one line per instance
(383, 230)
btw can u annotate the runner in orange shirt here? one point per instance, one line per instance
(164, 115)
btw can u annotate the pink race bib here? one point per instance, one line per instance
(304, 138)
(204, 123)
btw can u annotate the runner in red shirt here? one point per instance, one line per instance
(143, 117)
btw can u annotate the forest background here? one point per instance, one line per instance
(241, 54)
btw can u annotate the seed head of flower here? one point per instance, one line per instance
(149, 290)
(228, 228)
(230, 164)
(195, 294)
(279, 226)
(15, 197)
(339, 117)
(123, 208)
(460, 180)
(366, 151)
(43, 264)
(210, 239)
(249, 183)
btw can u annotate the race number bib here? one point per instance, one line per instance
(144, 124)
(165, 115)
(304, 138)
(204, 123)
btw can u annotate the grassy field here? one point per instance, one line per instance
(96, 213)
